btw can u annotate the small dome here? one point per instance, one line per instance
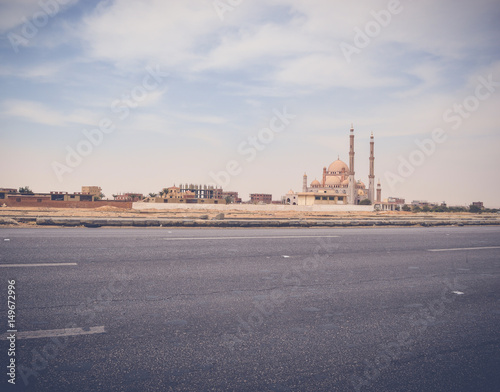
(315, 183)
(361, 184)
(345, 182)
(338, 166)
(333, 180)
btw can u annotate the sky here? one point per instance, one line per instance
(135, 96)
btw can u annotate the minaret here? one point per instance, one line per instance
(352, 184)
(371, 177)
(324, 177)
(304, 183)
(379, 191)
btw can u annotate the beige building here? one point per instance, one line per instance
(176, 195)
(91, 190)
(338, 184)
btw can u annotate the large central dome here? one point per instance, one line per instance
(338, 166)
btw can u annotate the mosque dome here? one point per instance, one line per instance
(315, 183)
(361, 184)
(338, 166)
(333, 180)
(345, 182)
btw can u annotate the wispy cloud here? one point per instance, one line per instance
(31, 111)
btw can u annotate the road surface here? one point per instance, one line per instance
(410, 309)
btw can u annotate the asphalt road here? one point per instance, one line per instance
(411, 309)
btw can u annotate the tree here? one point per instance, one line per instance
(163, 192)
(365, 202)
(426, 208)
(25, 190)
(152, 194)
(229, 199)
(100, 196)
(416, 209)
(406, 207)
(441, 208)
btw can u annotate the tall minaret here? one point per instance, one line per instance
(304, 183)
(352, 184)
(379, 191)
(371, 177)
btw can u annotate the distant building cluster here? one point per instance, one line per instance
(24, 197)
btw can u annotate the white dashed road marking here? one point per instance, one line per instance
(53, 333)
(38, 265)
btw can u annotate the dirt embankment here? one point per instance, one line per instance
(113, 216)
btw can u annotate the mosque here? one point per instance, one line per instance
(338, 184)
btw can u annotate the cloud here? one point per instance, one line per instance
(262, 45)
(38, 113)
(31, 111)
(41, 72)
(296, 44)
(204, 119)
(13, 12)
(35, 14)
(151, 99)
(127, 32)
(320, 71)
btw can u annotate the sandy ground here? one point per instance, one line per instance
(114, 212)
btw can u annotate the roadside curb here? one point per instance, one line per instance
(139, 222)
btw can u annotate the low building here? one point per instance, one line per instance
(92, 190)
(65, 196)
(291, 198)
(396, 200)
(174, 192)
(261, 198)
(8, 190)
(56, 199)
(390, 204)
(478, 204)
(322, 197)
